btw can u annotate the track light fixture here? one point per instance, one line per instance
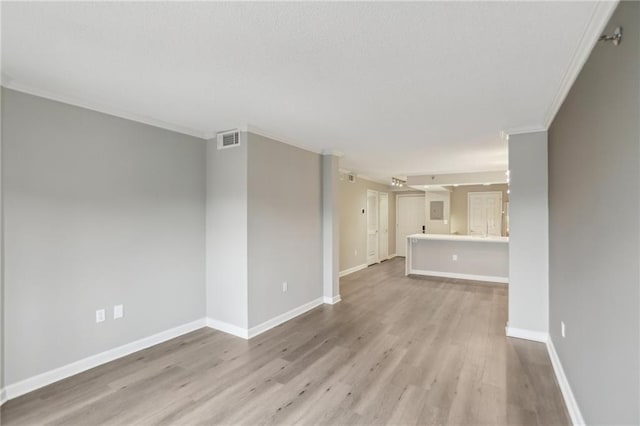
(398, 182)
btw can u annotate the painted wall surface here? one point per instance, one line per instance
(99, 211)
(1, 257)
(489, 259)
(460, 205)
(529, 236)
(353, 223)
(594, 228)
(331, 226)
(227, 246)
(284, 227)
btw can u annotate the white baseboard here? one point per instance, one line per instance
(567, 393)
(352, 270)
(521, 333)
(456, 275)
(332, 300)
(3, 396)
(28, 385)
(274, 322)
(225, 327)
(245, 333)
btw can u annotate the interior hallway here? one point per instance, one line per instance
(396, 350)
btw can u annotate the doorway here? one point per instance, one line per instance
(410, 213)
(485, 213)
(384, 226)
(373, 235)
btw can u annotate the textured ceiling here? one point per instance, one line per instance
(399, 88)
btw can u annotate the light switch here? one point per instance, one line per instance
(100, 315)
(118, 311)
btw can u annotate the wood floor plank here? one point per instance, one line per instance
(397, 350)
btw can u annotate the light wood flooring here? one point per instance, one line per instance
(396, 350)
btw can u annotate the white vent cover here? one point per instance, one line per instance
(228, 139)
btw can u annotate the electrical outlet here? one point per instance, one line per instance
(100, 315)
(454, 257)
(285, 287)
(562, 330)
(118, 311)
(355, 252)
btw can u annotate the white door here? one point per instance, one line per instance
(384, 226)
(410, 219)
(485, 213)
(372, 227)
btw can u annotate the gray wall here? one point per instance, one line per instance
(284, 227)
(485, 258)
(98, 211)
(594, 230)
(529, 233)
(331, 226)
(1, 261)
(353, 223)
(227, 295)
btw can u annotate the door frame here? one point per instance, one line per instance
(469, 208)
(398, 196)
(383, 238)
(377, 194)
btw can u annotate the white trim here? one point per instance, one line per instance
(602, 12)
(331, 300)
(249, 128)
(521, 333)
(9, 83)
(523, 130)
(333, 152)
(3, 396)
(228, 328)
(398, 196)
(28, 385)
(280, 319)
(567, 393)
(352, 270)
(473, 277)
(247, 334)
(475, 193)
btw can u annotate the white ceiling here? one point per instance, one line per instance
(399, 88)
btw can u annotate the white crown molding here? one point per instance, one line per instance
(565, 388)
(523, 130)
(12, 84)
(602, 12)
(332, 152)
(32, 383)
(250, 128)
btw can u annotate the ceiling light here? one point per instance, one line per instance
(397, 182)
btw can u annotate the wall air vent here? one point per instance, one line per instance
(228, 139)
(351, 177)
